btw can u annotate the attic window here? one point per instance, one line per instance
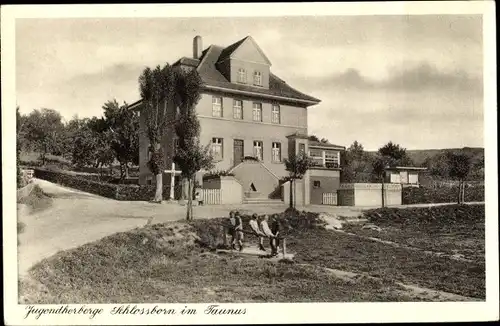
(257, 78)
(242, 76)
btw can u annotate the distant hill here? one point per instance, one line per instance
(419, 156)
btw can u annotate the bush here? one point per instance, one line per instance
(446, 216)
(446, 194)
(105, 189)
(217, 174)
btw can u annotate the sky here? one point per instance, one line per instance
(413, 80)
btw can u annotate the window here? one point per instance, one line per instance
(217, 149)
(217, 106)
(276, 152)
(238, 109)
(242, 76)
(316, 184)
(257, 150)
(257, 78)
(257, 112)
(316, 156)
(331, 159)
(275, 117)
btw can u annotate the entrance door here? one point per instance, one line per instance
(238, 151)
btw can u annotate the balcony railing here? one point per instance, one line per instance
(324, 158)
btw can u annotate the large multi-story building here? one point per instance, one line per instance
(246, 111)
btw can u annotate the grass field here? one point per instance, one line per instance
(163, 263)
(174, 262)
(450, 229)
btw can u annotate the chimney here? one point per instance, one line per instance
(197, 47)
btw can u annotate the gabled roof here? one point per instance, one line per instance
(226, 53)
(214, 80)
(233, 48)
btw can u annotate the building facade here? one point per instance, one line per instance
(252, 120)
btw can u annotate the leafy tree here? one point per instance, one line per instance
(157, 91)
(44, 129)
(396, 152)
(459, 168)
(122, 128)
(167, 91)
(316, 139)
(85, 143)
(190, 156)
(313, 138)
(297, 166)
(356, 163)
(91, 145)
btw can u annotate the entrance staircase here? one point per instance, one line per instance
(262, 201)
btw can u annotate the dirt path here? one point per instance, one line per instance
(399, 245)
(76, 217)
(416, 292)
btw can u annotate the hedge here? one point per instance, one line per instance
(423, 195)
(114, 191)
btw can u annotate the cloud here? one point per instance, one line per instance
(421, 77)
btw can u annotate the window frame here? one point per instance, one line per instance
(257, 76)
(261, 143)
(220, 144)
(240, 108)
(214, 104)
(242, 76)
(257, 107)
(273, 114)
(278, 150)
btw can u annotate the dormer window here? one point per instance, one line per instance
(242, 76)
(257, 78)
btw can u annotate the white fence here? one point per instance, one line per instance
(211, 197)
(330, 198)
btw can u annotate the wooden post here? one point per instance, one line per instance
(284, 248)
(172, 182)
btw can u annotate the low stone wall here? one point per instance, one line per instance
(231, 190)
(299, 192)
(369, 194)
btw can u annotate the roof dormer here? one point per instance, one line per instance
(245, 63)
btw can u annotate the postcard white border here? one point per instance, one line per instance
(257, 313)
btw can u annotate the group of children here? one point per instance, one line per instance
(262, 226)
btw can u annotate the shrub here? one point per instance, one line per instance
(217, 174)
(114, 191)
(445, 194)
